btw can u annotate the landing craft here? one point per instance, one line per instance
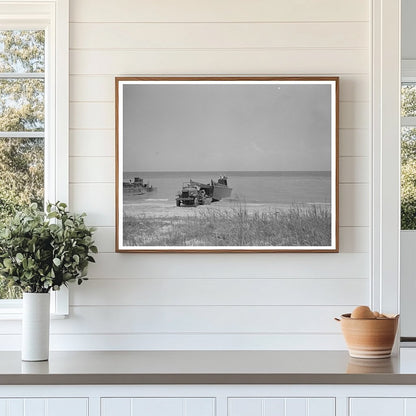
(138, 186)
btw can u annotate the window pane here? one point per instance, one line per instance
(408, 100)
(408, 178)
(22, 105)
(408, 145)
(21, 173)
(21, 182)
(22, 109)
(22, 51)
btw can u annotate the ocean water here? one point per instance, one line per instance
(251, 187)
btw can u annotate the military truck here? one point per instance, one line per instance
(197, 193)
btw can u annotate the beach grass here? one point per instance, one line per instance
(296, 226)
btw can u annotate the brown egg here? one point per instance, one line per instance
(362, 312)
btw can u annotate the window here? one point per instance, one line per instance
(22, 124)
(33, 111)
(408, 150)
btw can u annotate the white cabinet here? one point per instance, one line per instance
(281, 407)
(44, 407)
(383, 406)
(157, 406)
(208, 400)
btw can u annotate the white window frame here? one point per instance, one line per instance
(385, 184)
(53, 17)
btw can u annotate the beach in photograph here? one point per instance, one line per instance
(264, 209)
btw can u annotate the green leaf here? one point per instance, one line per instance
(56, 261)
(69, 223)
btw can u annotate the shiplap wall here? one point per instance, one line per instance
(157, 301)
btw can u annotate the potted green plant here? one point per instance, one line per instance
(39, 252)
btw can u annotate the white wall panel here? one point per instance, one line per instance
(299, 61)
(258, 301)
(185, 341)
(218, 291)
(218, 11)
(88, 320)
(353, 205)
(92, 116)
(354, 142)
(96, 199)
(98, 88)
(353, 115)
(354, 87)
(92, 88)
(353, 170)
(354, 239)
(283, 265)
(100, 169)
(95, 143)
(104, 238)
(218, 35)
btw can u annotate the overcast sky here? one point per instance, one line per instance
(227, 127)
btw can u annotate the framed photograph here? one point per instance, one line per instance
(227, 164)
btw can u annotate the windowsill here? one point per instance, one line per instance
(17, 316)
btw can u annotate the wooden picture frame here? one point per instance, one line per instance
(227, 164)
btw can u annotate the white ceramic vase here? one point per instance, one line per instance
(35, 326)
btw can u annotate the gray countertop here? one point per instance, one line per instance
(208, 367)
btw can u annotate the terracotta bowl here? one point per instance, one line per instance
(369, 338)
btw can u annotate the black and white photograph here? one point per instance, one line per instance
(227, 164)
